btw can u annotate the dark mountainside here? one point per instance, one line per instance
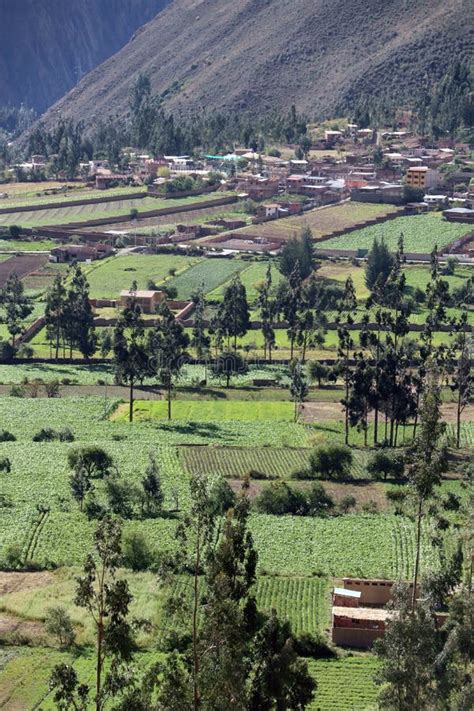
(257, 55)
(46, 46)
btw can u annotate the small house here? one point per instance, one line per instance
(147, 299)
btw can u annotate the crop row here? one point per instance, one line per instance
(363, 545)
(302, 601)
(344, 684)
(235, 463)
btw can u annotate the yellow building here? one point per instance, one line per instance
(422, 177)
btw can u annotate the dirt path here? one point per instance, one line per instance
(324, 411)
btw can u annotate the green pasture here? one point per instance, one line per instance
(209, 411)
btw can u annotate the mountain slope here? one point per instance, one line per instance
(263, 54)
(46, 46)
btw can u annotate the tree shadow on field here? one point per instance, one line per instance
(206, 430)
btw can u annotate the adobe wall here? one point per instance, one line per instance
(351, 637)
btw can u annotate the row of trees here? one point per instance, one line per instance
(389, 383)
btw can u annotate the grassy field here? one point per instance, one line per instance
(209, 411)
(421, 233)
(209, 273)
(107, 278)
(26, 245)
(322, 221)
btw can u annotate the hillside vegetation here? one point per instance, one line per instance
(258, 55)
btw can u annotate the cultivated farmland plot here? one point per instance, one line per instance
(345, 684)
(321, 221)
(421, 233)
(209, 274)
(106, 279)
(102, 210)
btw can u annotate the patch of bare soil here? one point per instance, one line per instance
(364, 492)
(20, 629)
(320, 411)
(324, 411)
(448, 411)
(21, 582)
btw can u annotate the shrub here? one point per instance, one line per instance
(66, 435)
(136, 551)
(6, 436)
(315, 646)
(331, 461)
(383, 464)
(255, 474)
(94, 460)
(17, 391)
(302, 474)
(59, 625)
(5, 465)
(397, 498)
(13, 556)
(279, 499)
(52, 388)
(46, 434)
(370, 507)
(346, 503)
(319, 501)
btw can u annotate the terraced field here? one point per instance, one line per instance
(97, 211)
(321, 221)
(107, 278)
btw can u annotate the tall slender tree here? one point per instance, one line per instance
(427, 459)
(168, 342)
(55, 313)
(16, 306)
(131, 354)
(233, 313)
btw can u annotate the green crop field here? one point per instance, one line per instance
(209, 411)
(34, 199)
(209, 274)
(250, 277)
(345, 684)
(365, 545)
(302, 601)
(421, 233)
(107, 278)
